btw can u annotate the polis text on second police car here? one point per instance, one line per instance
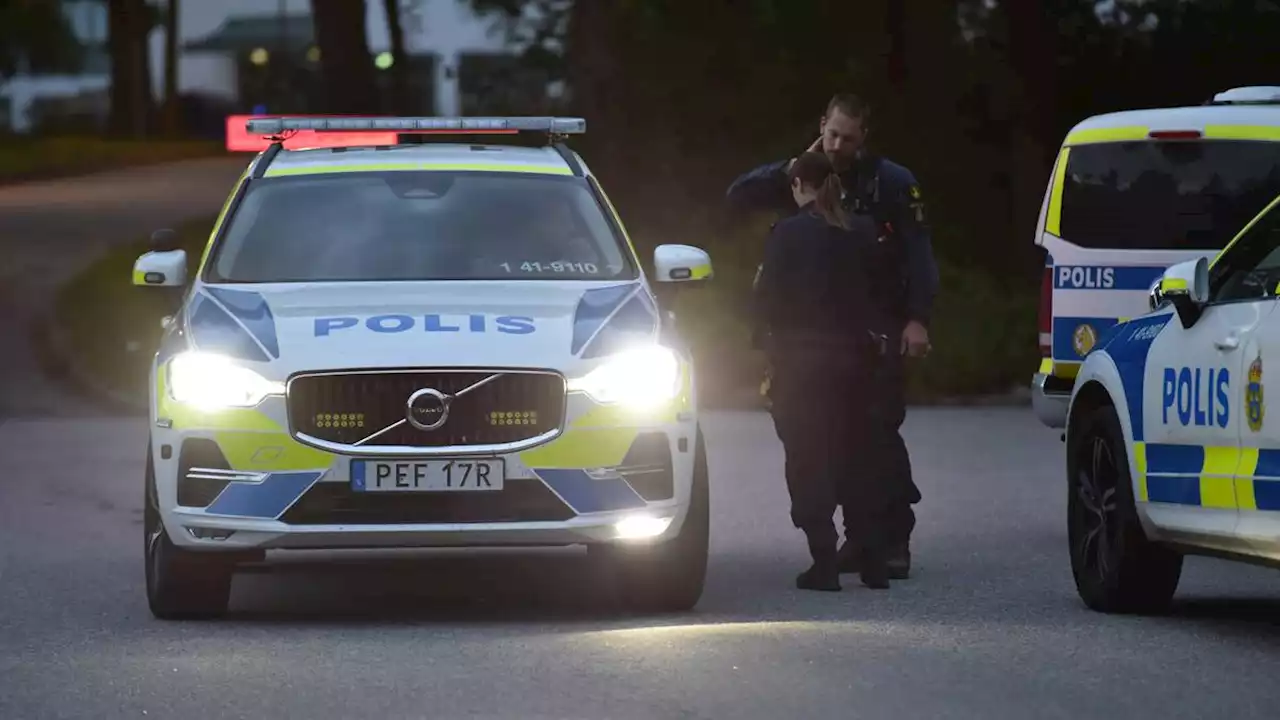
(1196, 396)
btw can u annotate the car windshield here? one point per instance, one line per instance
(1166, 195)
(410, 225)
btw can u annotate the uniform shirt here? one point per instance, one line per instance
(812, 289)
(908, 271)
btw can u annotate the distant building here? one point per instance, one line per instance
(84, 89)
(459, 63)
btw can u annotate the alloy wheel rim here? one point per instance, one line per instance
(1096, 491)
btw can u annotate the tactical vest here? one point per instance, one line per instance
(889, 276)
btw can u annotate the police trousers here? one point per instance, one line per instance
(821, 416)
(884, 447)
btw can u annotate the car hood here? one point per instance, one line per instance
(533, 324)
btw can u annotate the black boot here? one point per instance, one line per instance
(875, 569)
(824, 574)
(899, 562)
(849, 558)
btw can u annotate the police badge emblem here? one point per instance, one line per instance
(1083, 339)
(1254, 408)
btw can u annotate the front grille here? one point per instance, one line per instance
(520, 500)
(346, 408)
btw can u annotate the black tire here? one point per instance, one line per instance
(669, 576)
(1117, 569)
(181, 585)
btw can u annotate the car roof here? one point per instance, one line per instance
(1194, 117)
(432, 156)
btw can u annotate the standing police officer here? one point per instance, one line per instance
(815, 316)
(905, 289)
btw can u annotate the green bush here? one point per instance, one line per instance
(112, 327)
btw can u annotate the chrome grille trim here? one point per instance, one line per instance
(389, 451)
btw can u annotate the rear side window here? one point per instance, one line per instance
(1176, 195)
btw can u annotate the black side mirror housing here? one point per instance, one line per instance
(164, 240)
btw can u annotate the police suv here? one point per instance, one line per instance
(390, 345)
(1131, 194)
(1170, 450)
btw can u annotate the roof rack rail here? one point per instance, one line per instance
(1249, 95)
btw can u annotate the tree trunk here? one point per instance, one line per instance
(400, 101)
(1033, 56)
(172, 118)
(345, 65)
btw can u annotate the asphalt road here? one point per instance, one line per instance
(989, 627)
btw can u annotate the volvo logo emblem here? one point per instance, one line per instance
(427, 409)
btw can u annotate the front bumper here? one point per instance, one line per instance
(1050, 397)
(255, 487)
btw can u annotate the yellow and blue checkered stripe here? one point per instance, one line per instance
(1226, 478)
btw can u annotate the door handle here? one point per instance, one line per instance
(1230, 342)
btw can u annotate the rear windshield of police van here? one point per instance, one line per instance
(410, 225)
(1166, 195)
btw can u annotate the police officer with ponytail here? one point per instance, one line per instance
(815, 319)
(904, 285)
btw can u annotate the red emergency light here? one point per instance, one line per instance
(1174, 134)
(255, 133)
(239, 139)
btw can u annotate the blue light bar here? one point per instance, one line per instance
(555, 125)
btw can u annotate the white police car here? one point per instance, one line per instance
(1170, 446)
(413, 345)
(1131, 194)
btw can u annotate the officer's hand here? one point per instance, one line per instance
(915, 340)
(815, 146)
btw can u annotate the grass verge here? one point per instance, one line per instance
(39, 158)
(110, 328)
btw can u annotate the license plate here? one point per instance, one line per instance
(426, 475)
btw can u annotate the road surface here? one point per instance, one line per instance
(988, 628)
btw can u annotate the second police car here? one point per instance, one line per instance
(1131, 194)
(393, 345)
(1171, 446)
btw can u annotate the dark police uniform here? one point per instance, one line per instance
(904, 290)
(814, 316)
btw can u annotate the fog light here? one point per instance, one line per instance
(210, 533)
(639, 527)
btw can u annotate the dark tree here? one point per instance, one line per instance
(346, 67)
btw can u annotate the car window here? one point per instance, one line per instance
(1250, 270)
(408, 225)
(1174, 195)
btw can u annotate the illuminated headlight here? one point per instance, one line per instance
(210, 382)
(642, 377)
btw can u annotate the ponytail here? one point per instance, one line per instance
(829, 202)
(814, 170)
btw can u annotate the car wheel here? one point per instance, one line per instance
(668, 576)
(1117, 569)
(180, 584)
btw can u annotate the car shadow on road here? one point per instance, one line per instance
(1255, 617)
(448, 587)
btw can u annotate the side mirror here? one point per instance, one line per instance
(1186, 285)
(681, 263)
(161, 269)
